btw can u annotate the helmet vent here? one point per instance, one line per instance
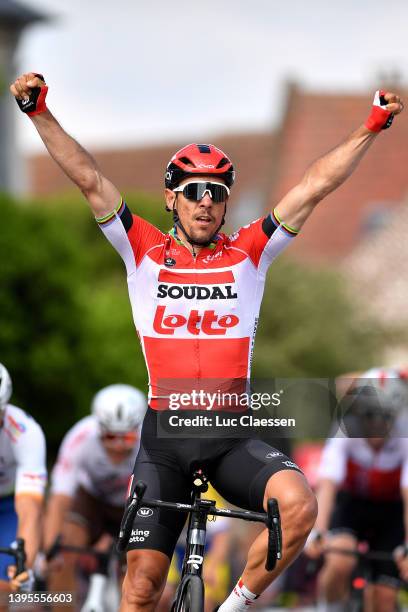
(204, 148)
(120, 412)
(223, 162)
(187, 161)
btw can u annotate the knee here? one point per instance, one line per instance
(384, 598)
(338, 567)
(142, 585)
(302, 512)
(298, 508)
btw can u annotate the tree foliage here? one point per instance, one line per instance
(308, 327)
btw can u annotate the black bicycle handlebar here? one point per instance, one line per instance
(370, 555)
(58, 546)
(17, 551)
(271, 519)
(129, 515)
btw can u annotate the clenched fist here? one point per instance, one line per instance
(385, 106)
(30, 92)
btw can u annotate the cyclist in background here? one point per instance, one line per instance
(189, 291)
(363, 490)
(23, 478)
(91, 475)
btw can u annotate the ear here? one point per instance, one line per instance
(170, 198)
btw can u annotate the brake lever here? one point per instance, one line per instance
(274, 534)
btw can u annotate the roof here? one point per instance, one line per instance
(269, 164)
(314, 124)
(142, 168)
(14, 13)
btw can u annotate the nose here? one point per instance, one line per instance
(206, 201)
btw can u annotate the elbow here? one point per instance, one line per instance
(318, 189)
(90, 182)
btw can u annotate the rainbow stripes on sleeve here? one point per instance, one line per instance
(291, 231)
(116, 212)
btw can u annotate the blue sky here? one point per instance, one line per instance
(130, 71)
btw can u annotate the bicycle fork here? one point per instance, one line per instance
(194, 554)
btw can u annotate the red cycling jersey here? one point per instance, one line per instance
(196, 316)
(361, 470)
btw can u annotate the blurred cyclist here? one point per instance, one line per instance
(23, 477)
(90, 478)
(363, 490)
(196, 295)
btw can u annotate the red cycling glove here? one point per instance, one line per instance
(380, 118)
(36, 102)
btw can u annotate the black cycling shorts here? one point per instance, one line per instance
(238, 469)
(380, 523)
(94, 514)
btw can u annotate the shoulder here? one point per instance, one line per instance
(81, 432)
(264, 235)
(132, 236)
(338, 444)
(131, 223)
(19, 423)
(254, 227)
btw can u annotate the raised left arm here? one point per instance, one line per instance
(330, 171)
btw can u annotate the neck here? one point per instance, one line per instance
(193, 248)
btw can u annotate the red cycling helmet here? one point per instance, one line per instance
(199, 160)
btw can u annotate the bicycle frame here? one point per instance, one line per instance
(16, 550)
(199, 510)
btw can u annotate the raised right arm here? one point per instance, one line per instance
(73, 159)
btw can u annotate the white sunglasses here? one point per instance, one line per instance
(196, 190)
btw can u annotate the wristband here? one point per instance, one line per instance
(380, 118)
(36, 102)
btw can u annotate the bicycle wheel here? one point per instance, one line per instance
(191, 596)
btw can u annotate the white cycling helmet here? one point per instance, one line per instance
(6, 387)
(390, 386)
(119, 408)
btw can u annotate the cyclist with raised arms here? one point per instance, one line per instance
(23, 477)
(196, 295)
(90, 478)
(363, 490)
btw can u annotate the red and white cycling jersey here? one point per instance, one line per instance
(364, 472)
(22, 454)
(83, 462)
(196, 317)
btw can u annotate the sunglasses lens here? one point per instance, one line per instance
(219, 193)
(196, 192)
(383, 416)
(130, 436)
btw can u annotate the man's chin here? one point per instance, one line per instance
(202, 237)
